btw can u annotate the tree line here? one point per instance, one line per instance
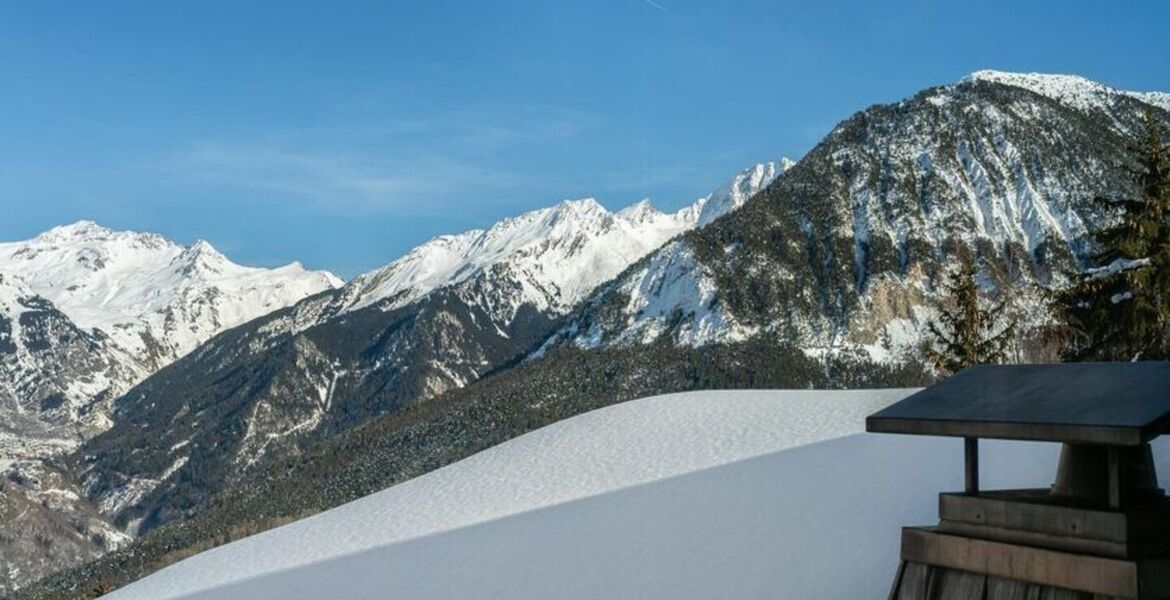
(1117, 309)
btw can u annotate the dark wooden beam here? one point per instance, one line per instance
(971, 459)
(1039, 432)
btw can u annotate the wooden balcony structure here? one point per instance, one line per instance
(1101, 531)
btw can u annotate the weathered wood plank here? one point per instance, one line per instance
(1058, 569)
(915, 582)
(958, 585)
(999, 588)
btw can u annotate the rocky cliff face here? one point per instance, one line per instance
(56, 378)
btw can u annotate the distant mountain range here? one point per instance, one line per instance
(821, 272)
(88, 312)
(439, 318)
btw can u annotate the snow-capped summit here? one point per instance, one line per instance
(580, 206)
(201, 259)
(1073, 90)
(81, 229)
(555, 254)
(744, 185)
(86, 312)
(151, 295)
(640, 212)
(74, 239)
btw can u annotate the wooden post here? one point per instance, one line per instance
(1114, 477)
(971, 458)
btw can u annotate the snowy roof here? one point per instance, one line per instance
(1092, 403)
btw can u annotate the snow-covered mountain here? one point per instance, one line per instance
(86, 313)
(440, 317)
(151, 296)
(678, 496)
(743, 186)
(556, 255)
(845, 250)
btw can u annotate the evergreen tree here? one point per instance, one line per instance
(1120, 308)
(969, 331)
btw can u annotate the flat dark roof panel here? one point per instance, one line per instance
(1100, 403)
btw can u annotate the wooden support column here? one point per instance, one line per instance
(1114, 477)
(971, 458)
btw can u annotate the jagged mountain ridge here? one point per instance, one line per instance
(564, 251)
(844, 251)
(438, 318)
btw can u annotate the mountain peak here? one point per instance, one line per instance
(88, 234)
(202, 257)
(639, 212)
(581, 206)
(83, 229)
(1074, 90)
(203, 248)
(742, 186)
(133, 286)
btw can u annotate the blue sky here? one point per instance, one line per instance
(343, 133)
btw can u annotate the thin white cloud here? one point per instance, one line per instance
(339, 182)
(478, 127)
(409, 166)
(655, 5)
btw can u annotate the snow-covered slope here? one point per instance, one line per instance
(151, 296)
(700, 495)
